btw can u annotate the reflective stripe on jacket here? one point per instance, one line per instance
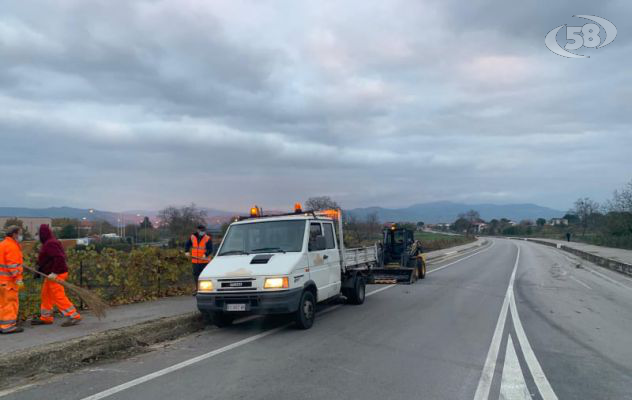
(11, 260)
(198, 249)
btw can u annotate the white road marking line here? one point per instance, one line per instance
(487, 375)
(546, 391)
(580, 282)
(606, 277)
(165, 371)
(184, 364)
(460, 259)
(590, 269)
(16, 389)
(380, 290)
(512, 384)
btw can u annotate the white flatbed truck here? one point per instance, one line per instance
(283, 264)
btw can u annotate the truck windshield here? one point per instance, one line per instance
(263, 237)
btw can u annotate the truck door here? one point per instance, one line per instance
(332, 258)
(318, 268)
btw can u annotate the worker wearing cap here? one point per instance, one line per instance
(199, 247)
(11, 260)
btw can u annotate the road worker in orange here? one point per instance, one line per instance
(199, 248)
(52, 262)
(11, 283)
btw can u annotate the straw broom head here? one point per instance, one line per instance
(93, 301)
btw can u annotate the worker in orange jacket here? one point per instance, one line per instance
(11, 283)
(200, 248)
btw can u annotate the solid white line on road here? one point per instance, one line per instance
(380, 290)
(512, 384)
(461, 259)
(606, 277)
(157, 374)
(546, 391)
(165, 371)
(184, 364)
(485, 382)
(15, 389)
(580, 282)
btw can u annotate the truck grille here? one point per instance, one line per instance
(236, 284)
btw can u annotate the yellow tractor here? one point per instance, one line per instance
(401, 257)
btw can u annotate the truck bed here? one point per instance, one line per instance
(360, 257)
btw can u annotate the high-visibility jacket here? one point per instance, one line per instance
(198, 249)
(11, 260)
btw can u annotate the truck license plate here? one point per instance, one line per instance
(235, 307)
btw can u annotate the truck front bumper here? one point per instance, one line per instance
(278, 302)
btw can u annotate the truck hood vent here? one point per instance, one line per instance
(261, 259)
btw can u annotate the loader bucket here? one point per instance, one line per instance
(391, 275)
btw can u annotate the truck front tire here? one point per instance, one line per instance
(306, 312)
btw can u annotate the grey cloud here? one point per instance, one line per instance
(151, 103)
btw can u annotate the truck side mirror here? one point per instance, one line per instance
(317, 243)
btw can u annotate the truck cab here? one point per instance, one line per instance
(273, 265)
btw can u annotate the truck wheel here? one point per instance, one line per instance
(358, 293)
(421, 268)
(306, 311)
(221, 320)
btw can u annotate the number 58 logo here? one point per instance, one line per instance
(590, 36)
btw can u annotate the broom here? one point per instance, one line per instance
(93, 301)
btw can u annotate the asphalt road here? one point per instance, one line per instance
(515, 320)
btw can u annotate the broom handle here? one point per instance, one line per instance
(39, 273)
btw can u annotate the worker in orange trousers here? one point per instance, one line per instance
(52, 262)
(11, 260)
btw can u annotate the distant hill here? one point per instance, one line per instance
(446, 211)
(112, 217)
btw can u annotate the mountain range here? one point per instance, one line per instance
(441, 211)
(446, 211)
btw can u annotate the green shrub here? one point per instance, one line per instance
(119, 277)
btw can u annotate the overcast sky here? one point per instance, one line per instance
(142, 104)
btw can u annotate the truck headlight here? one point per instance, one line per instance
(205, 286)
(276, 283)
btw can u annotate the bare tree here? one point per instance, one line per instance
(321, 203)
(182, 221)
(621, 200)
(586, 209)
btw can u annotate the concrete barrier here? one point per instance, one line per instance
(595, 259)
